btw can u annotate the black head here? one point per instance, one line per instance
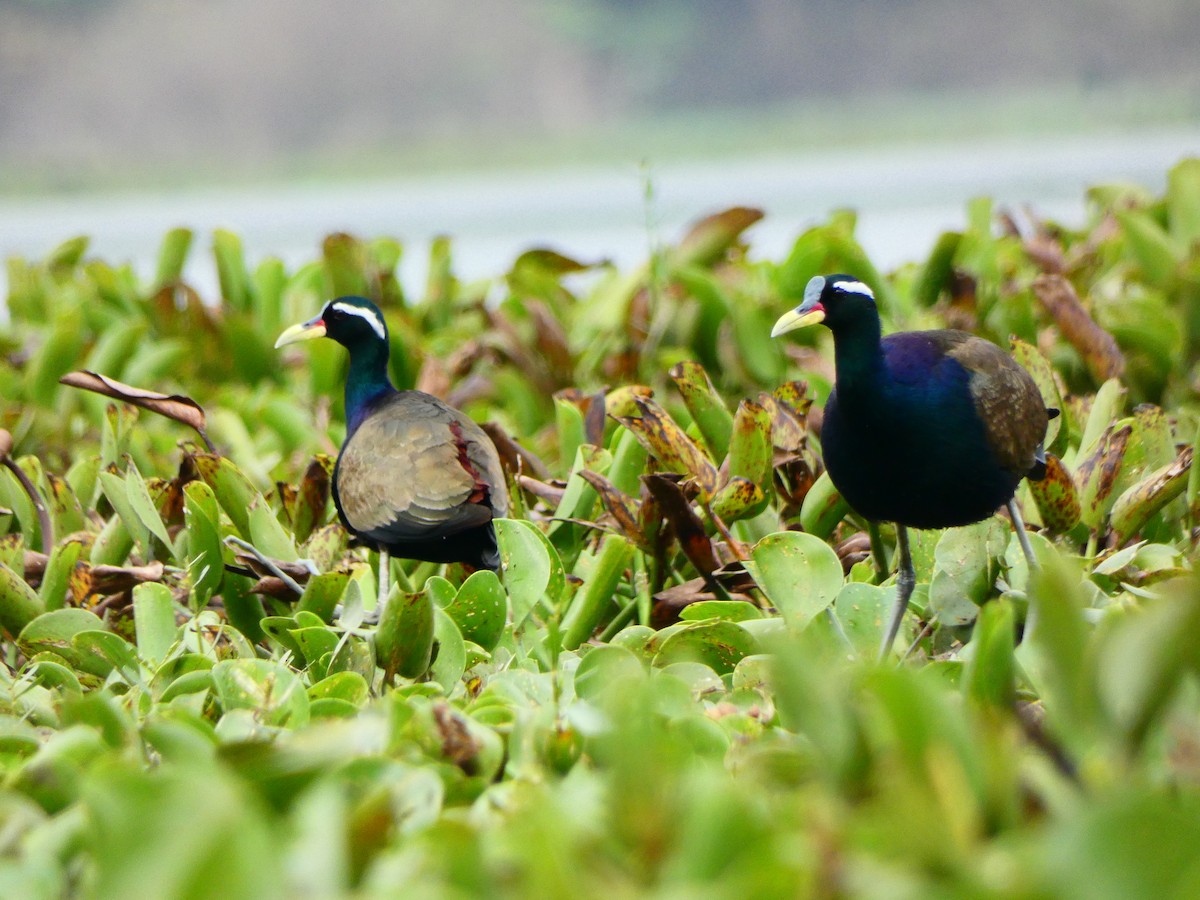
(832, 299)
(353, 322)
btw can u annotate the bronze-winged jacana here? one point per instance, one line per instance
(926, 429)
(415, 477)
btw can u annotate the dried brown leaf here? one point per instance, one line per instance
(174, 406)
(1097, 347)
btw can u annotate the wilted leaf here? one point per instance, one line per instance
(174, 406)
(706, 406)
(1099, 351)
(688, 528)
(1142, 500)
(709, 238)
(665, 440)
(1056, 496)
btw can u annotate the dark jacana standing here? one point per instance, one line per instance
(415, 477)
(927, 429)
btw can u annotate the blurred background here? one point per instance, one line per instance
(595, 126)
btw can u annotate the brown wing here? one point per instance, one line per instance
(1010, 406)
(416, 469)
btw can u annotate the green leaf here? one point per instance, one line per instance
(154, 621)
(966, 564)
(530, 567)
(799, 573)
(404, 637)
(273, 693)
(707, 408)
(19, 604)
(718, 645)
(480, 609)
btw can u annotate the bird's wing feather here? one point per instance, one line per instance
(416, 469)
(1009, 404)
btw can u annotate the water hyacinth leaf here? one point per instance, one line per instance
(15, 497)
(404, 637)
(799, 573)
(1106, 408)
(102, 652)
(53, 631)
(451, 662)
(579, 497)
(966, 564)
(232, 273)
(154, 621)
(268, 535)
(707, 408)
(66, 514)
(115, 489)
(670, 445)
(726, 610)
(57, 577)
(936, 274)
(233, 490)
(313, 497)
(143, 505)
(272, 692)
(1038, 367)
(348, 686)
(606, 669)
(823, 508)
(1098, 474)
(709, 238)
(315, 642)
(628, 461)
(688, 529)
(1099, 350)
(740, 498)
(530, 566)
(172, 256)
(322, 593)
(19, 604)
(750, 446)
(1142, 663)
(595, 597)
(1056, 497)
(1156, 253)
(480, 609)
(61, 350)
(1140, 501)
(990, 674)
(174, 406)
(861, 610)
(718, 645)
(112, 545)
(205, 562)
(569, 423)
(622, 508)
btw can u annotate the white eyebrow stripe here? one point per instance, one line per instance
(372, 319)
(854, 287)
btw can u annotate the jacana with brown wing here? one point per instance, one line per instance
(415, 477)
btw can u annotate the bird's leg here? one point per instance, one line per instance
(906, 580)
(1014, 513)
(385, 580)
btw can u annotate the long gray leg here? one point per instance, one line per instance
(1014, 513)
(385, 580)
(906, 580)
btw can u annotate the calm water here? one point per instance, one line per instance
(905, 198)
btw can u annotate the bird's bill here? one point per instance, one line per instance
(305, 331)
(798, 318)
